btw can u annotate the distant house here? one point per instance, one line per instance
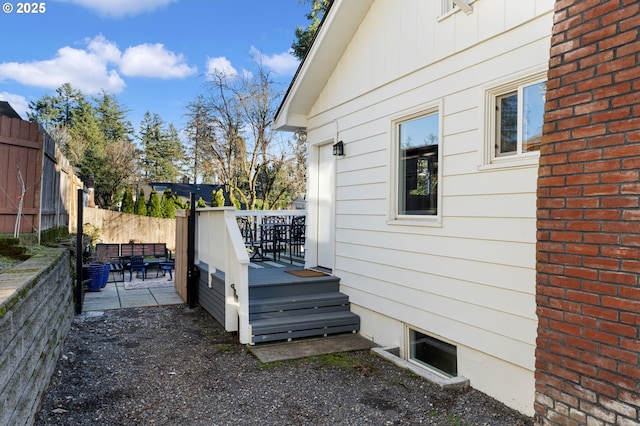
(423, 122)
(184, 190)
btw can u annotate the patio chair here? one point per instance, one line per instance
(296, 237)
(273, 238)
(250, 242)
(116, 270)
(138, 264)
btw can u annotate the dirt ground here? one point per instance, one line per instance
(175, 366)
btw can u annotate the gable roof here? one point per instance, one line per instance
(329, 44)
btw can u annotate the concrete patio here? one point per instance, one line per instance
(115, 296)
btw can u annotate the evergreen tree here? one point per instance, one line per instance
(112, 119)
(304, 36)
(154, 209)
(127, 202)
(162, 151)
(167, 205)
(141, 204)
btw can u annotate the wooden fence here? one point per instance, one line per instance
(35, 179)
(182, 231)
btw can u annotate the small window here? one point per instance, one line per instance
(418, 165)
(433, 353)
(519, 116)
(450, 5)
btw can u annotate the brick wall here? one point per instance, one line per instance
(588, 253)
(36, 309)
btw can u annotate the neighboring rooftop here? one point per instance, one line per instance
(7, 109)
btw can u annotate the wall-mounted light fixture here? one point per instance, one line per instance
(338, 149)
(300, 135)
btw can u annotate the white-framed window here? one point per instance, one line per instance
(515, 116)
(435, 354)
(417, 145)
(450, 6)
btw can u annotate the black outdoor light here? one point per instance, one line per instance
(338, 149)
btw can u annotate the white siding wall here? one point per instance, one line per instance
(471, 280)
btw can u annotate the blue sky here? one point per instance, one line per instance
(152, 54)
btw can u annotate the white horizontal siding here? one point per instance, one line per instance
(463, 328)
(471, 278)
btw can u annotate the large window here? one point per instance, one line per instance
(519, 116)
(418, 165)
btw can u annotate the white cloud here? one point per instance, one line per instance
(98, 67)
(221, 65)
(104, 48)
(85, 70)
(280, 63)
(119, 8)
(154, 60)
(17, 102)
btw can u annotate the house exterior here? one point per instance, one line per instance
(429, 216)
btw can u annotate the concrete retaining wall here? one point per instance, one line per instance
(36, 310)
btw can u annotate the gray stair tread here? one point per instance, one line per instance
(299, 301)
(290, 335)
(311, 321)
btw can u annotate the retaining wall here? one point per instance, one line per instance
(36, 310)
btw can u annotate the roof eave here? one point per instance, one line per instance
(338, 27)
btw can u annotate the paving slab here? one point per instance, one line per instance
(281, 351)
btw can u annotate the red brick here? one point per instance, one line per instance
(566, 236)
(623, 150)
(625, 126)
(618, 277)
(619, 176)
(564, 282)
(602, 263)
(620, 252)
(599, 312)
(599, 387)
(583, 297)
(631, 293)
(620, 304)
(617, 329)
(601, 190)
(580, 343)
(612, 202)
(620, 381)
(617, 114)
(594, 83)
(629, 370)
(586, 155)
(619, 40)
(602, 214)
(585, 273)
(625, 15)
(599, 336)
(619, 354)
(580, 367)
(612, 91)
(602, 238)
(583, 249)
(617, 65)
(602, 166)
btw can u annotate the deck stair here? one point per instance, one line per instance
(290, 308)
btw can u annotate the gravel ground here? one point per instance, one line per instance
(173, 366)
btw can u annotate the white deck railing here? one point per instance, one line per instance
(220, 246)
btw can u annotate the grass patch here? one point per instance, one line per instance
(222, 347)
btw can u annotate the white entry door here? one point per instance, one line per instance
(326, 197)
